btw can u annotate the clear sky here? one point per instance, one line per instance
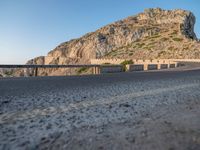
(30, 28)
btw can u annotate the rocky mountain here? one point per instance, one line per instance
(152, 34)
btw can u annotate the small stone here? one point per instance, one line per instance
(90, 139)
(100, 147)
(110, 106)
(48, 126)
(24, 143)
(168, 123)
(5, 102)
(43, 138)
(21, 126)
(144, 133)
(100, 130)
(12, 139)
(41, 121)
(130, 139)
(124, 105)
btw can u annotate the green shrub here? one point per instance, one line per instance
(174, 32)
(126, 62)
(152, 43)
(170, 48)
(164, 39)
(155, 36)
(140, 45)
(106, 63)
(137, 40)
(82, 69)
(178, 39)
(161, 53)
(149, 47)
(130, 54)
(8, 73)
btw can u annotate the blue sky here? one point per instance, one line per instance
(30, 28)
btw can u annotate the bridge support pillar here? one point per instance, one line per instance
(26, 72)
(36, 72)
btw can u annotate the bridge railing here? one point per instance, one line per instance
(102, 68)
(96, 68)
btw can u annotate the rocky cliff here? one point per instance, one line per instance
(154, 33)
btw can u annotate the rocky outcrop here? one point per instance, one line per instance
(155, 33)
(38, 60)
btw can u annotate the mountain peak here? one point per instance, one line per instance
(154, 33)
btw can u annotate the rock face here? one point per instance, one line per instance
(155, 33)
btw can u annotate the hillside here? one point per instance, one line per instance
(152, 34)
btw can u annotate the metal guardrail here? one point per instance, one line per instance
(99, 68)
(46, 66)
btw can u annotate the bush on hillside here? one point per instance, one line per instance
(126, 62)
(82, 69)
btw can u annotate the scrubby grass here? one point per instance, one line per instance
(174, 32)
(170, 48)
(177, 39)
(8, 73)
(161, 53)
(140, 45)
(152, 43)
(82, 69)
(150, 47)
(106, 63)
(164, 39)
(155, 36)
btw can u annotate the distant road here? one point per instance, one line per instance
(123, 110)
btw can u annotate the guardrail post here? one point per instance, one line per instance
(176, 64)
(99, 69)
(94, 70)
(159, 66)
(168, 65)
(145, 66)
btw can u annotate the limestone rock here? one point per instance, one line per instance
(154, 33)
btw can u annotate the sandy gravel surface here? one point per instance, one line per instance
(152, 110)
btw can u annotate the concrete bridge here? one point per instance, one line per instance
(35, 67)
(112, 66)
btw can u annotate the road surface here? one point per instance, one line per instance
(143, 110)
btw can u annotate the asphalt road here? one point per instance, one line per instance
(143, 110)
